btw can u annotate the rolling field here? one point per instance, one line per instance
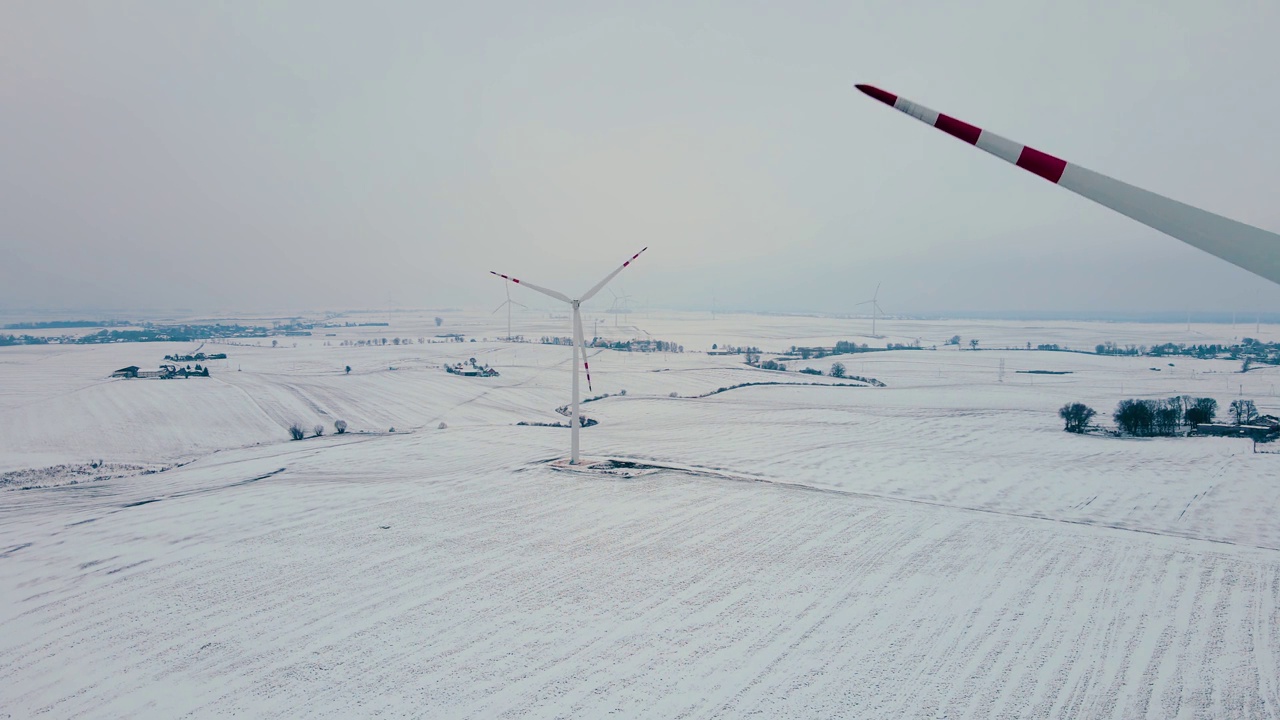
(934, 548)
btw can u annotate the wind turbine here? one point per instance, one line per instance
(875, 308)
(1251, 248)
(579, 343)
(507, 304)
(621, 306)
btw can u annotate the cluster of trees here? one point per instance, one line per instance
(637, 345)
(601, 396)
(583, 421)
(297, 431)
(1159, 418)
(1243, 412)
(734, 349)
(848, 347)
(647, 345)
(459, 368)
(845, 346)
(1150, 418)
(197, 356)
(380, 341)
(147, 333)
(60, 324)
(1110, 348)
(1248, 348)
(25, 340)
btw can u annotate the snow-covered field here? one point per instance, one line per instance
(934, 548)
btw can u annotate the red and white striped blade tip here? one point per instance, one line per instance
(877, 93)
(1246, 246)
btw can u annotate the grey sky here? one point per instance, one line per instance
(311, 156)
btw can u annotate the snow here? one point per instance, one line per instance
(934, 548)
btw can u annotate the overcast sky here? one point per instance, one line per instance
(327, 155)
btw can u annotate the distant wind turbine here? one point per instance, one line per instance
(875, 309)
(507, 304)
(579, 342)
(621, 306)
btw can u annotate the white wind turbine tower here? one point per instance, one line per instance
(579, 343)
(875, 309)
(507, 304)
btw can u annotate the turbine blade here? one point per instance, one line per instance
(590, 293)
(582, 343)
(495, 310)
(550, 293)
(1251, 248)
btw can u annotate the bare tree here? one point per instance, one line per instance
(1076, 416)
(340, 426)
(318, 430)
(1243, 411)
(837, 370)
(297, 432)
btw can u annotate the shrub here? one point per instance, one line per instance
(340, 426)
(811, 371)
(318, 430)
(296, 431)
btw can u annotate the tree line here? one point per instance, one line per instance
(1158, 418)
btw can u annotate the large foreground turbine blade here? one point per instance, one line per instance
(550, 293)
(588, 295)
(1251, 248)
(582, 343)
